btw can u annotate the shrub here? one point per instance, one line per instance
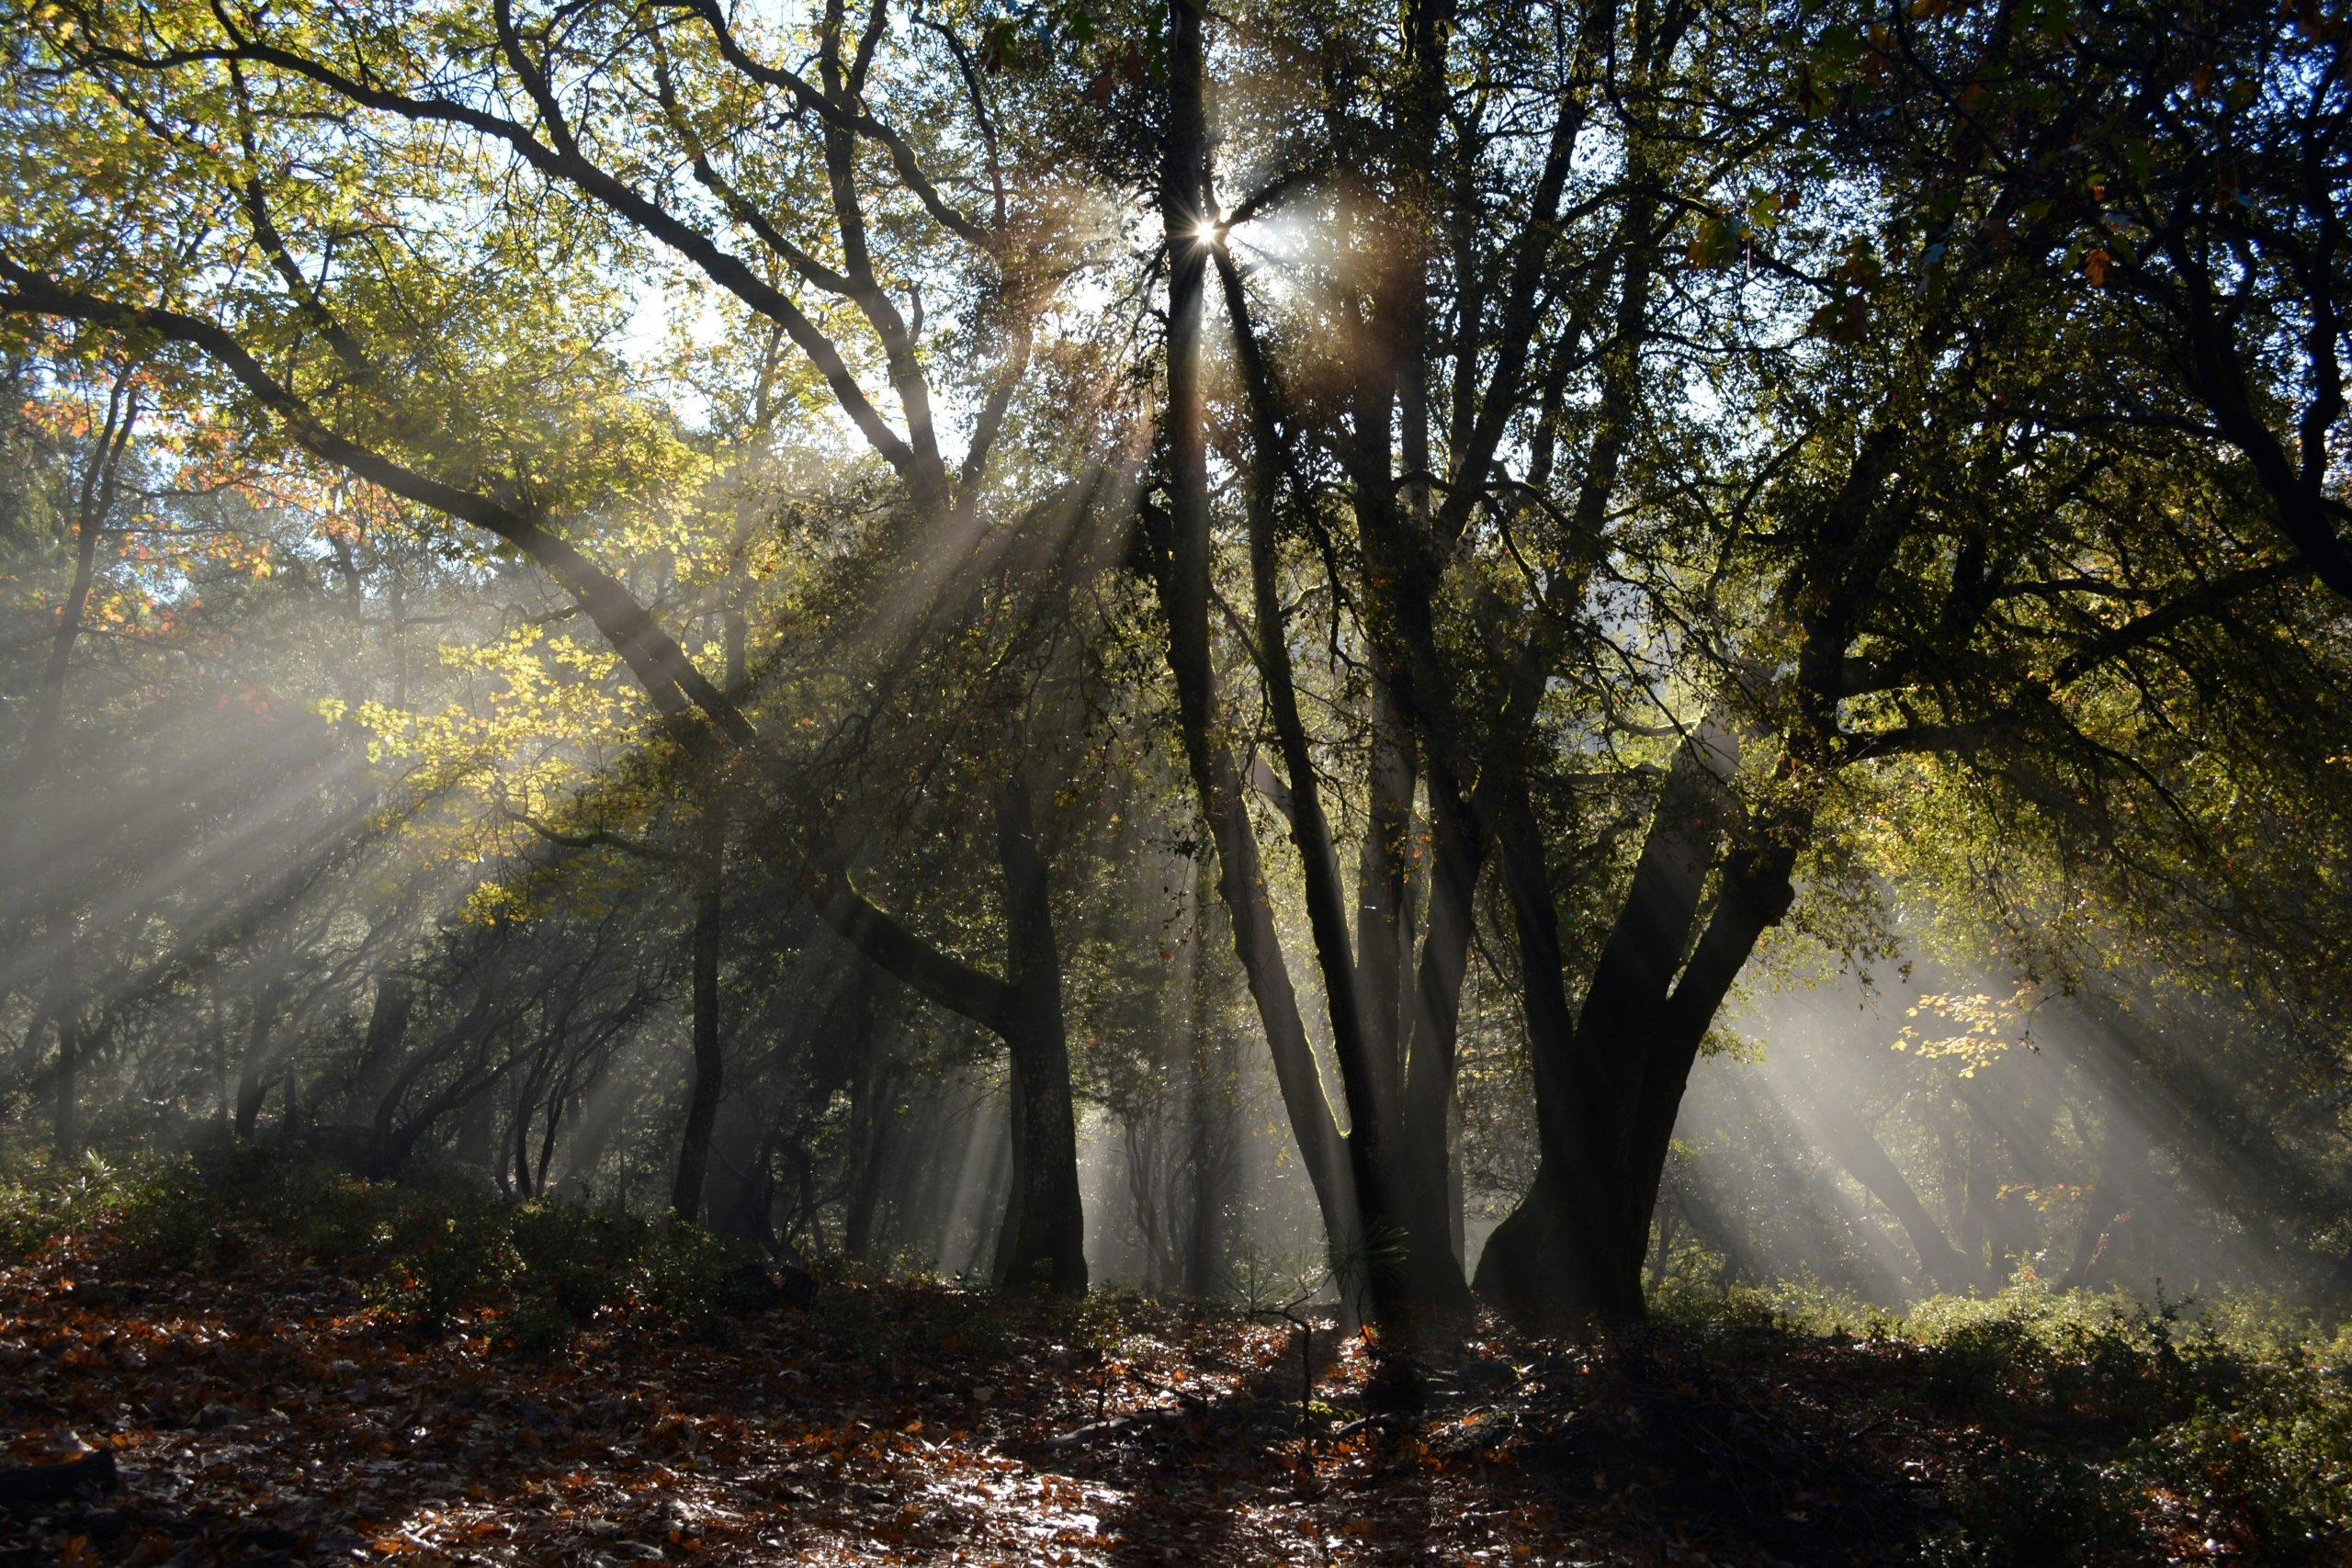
(434, 1246)
(2278, 1458)
(40, 1201)
(1985, 1369)
(2030, 1507)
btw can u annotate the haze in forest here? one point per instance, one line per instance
(1552, 657)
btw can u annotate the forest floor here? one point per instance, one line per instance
(265, 1406)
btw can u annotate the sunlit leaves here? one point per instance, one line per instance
(1989, 1027)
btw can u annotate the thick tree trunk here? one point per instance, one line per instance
(1755, 893)
(1553, 1254)
(1384, 911)
(474, 1127)
(1211, 1114)
(1209, 1164)
(858, 1230)
(873, 1121)
(1607, 1083)
(1549, 1259)
(388, 1019)
(1044, 1239)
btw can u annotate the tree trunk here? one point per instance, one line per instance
(252, 1072)
(709, 1066)
(526, 1106)
(386, 1028)
(709, 1078)
(1206, 1164)
(1855, 1149)
(1434, 1187)
(1044, 1239)
(474, 1128)
(1755, 892)
(1549, 1260)
(1183, 584)
(100, 480)
(1608, 1086)
(873, 1120)
(1407, 1260)
(1361, 1000)
(1212, 1121)
(1384, 923)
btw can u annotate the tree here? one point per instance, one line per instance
(1812, 596)
(291, 92)
(2188, 171)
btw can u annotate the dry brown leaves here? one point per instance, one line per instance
(267, 1415)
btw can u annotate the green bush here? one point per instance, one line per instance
(40, 1201)
(569, 1254)
(436, 1247)
(1988, 1368)
(2104, 1419)
(2278, 1458)
(2034, 1508)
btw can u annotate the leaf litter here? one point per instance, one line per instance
(267, 1412)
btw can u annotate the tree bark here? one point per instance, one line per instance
(709, 1076)
(1755, 895)
(1433, 1186)
(1548, 1260)
(1356, 995)
(94, 499)
(387, 1018)
(873, 1120)
(472, 1147)
(1560, 1251)
(1044, 1239)
(1408, 1260)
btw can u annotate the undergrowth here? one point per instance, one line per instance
(430, 1247)
(2101, 1429)
(2078, 1428)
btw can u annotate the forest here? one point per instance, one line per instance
(1067, 782)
